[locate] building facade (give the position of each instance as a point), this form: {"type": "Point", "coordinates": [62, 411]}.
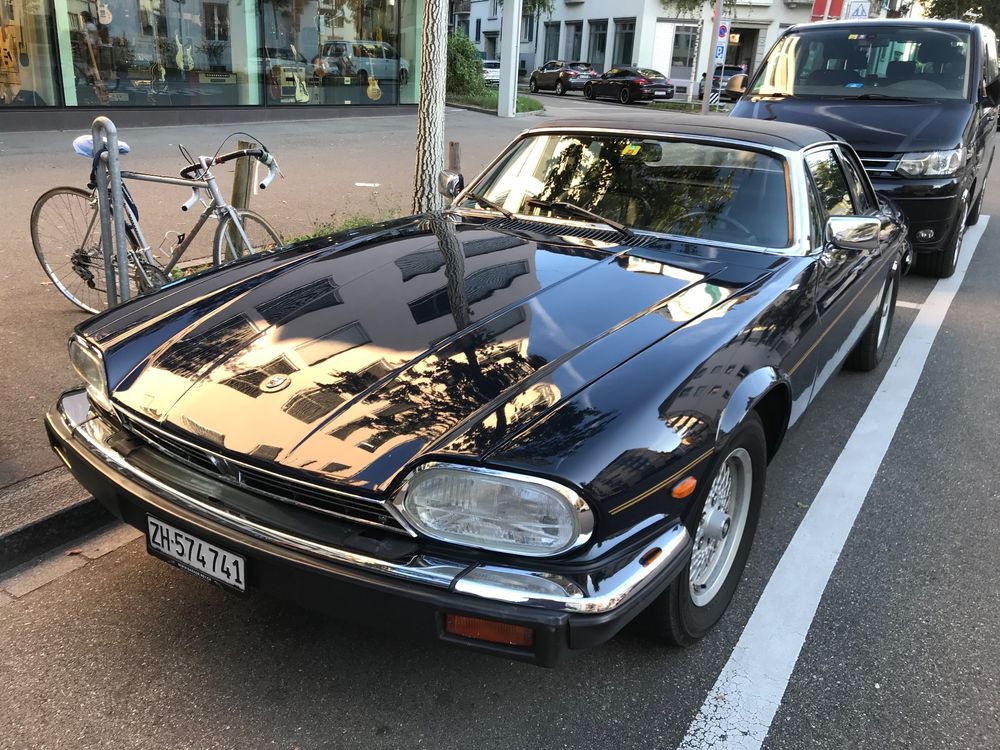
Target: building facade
{"type": "Point", "coordinates": [190, 54]}
{"type": "Point", "coordinates": [641, 32]}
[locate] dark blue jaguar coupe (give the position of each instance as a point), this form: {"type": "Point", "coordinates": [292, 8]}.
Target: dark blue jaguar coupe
{"type": "Point", "coordinates": [514, 425]}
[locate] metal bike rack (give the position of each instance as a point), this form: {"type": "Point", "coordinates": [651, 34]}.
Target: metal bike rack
{"type": "Point", "coordinates": [110, 202]}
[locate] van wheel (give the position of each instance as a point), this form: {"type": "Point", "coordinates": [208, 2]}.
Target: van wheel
{"type": "Point", "coordinates": [868, 352]}
{"type": "Point", "coordinates": [977, 207]}
{"type": "Point", "coordinates": [942, 264]}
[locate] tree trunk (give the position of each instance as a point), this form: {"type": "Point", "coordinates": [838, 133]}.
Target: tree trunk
{"type": "Point", "coordinates": [430, 110]}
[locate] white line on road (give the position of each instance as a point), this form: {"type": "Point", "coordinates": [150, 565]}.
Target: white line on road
{"type": "Point", "coordinates": [740, 707]}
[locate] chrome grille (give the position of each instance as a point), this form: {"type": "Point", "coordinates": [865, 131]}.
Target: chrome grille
{"type": "Point", "coordinates": [879, 164]}
{"type": "Point", "coordinates": [263, 483]}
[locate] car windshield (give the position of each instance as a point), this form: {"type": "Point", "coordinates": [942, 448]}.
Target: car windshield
{"type": "Point", "coordinates": [697, 190]}
{"type": "Point", "coordinates": [582, 66]}
{"type": "Point", "coordinates": [729, 70]}
{"type": "Point", "coordinates": [883, 62]}
{"type": "Point", "coordinates": [490, 65]}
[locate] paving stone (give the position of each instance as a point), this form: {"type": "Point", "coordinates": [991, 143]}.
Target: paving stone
{"type": "Point", "coordinates": [5, 599]}
{"type": "Point", "coordinates": [107, 540]}
{"type": "Point", "coordinates": [35, 574]}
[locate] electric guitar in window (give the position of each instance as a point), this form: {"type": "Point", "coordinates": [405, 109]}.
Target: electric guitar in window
{"type": "Point", "coordinates": [104, 14]}
{"type": "Point", "coordinates": [374, 92]}
{"type": "Point", "coordinates": [183, 57]}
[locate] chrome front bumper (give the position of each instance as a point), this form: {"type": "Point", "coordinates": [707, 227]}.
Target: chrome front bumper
{"type": "Point", "coordinates": [74, 428]}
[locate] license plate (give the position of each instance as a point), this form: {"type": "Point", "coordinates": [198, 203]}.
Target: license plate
{"type": "Point", "coordinates": [659, 93]}
{"type": "Point", "coordinates": [195, 555]}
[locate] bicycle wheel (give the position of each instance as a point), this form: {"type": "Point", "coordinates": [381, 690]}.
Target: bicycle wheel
{"type": "Point", "coordinates": [66, 235]}
{"type": "Point", "coordinates": [229, 245]}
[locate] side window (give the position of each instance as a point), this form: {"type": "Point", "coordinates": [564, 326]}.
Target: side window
{"type": "Point", "coordinates": [817, 226]}
{"type": "Point", "coordinates": [864, 200]}
{"type": "Point", "coordinates": [613, 73]}
{"type": "Point", "coordinates": [831, 184]}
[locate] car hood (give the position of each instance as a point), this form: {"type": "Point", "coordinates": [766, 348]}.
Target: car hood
{"type": "Point", "coordinates": [353, 363]}
{"type": "Point", "coordinates": [879, 126]}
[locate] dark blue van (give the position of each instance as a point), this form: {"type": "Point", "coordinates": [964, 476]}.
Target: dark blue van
{"type": "Point", "coordinates": [917, 100]}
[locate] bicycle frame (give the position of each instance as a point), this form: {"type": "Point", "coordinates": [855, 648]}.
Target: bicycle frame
{"type": "Point", "coordinates": [218, 207]}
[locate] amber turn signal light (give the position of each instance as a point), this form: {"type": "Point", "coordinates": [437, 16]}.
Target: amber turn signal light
{"type": "Point", "coordinates": [684, 488]}
{"type": "Point", "coordinates": [490, 631]}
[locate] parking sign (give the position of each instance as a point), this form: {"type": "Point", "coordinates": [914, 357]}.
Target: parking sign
{"type": "Point", "coordinates": [722, 42]}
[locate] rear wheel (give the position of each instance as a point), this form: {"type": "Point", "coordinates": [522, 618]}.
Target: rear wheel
{"type": "Point", "coordinates": [723, 527]}
{"type": "Point", "coordinates": [229, 245]}
{"type": "Point", "coordinates": [66, 235]}
{"type": "Point", "coordinates": [560, 88]}
{"type": "Point", "coordinates": [625, 96]}
{"type": "Point", "coordinates": [588, 91]}
{"type": "Point", "coordinates": [868, 352]}
{"type": "Point", "coordinates": [942, 264]}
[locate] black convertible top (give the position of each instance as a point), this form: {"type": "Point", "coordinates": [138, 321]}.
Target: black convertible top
{"type": "Point", "coordinates": [769, 133]}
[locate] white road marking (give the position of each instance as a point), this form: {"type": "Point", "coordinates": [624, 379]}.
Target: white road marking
{"type": "Point", "coordinates": [739, 709]}
{"type": "Point", "coordinates": [367, 184]}
{"type": "Point", "coordinates": [908, 305]}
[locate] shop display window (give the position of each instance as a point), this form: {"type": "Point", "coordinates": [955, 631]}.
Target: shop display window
{"type": "Point", "coordinates": [27, 56]}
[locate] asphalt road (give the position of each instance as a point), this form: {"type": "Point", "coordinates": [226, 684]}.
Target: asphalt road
{"type": "Point", "coordinates": [119, 650]}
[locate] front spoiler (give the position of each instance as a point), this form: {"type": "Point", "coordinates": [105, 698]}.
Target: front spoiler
{"type": "Point", "coordinates": [416, 592]}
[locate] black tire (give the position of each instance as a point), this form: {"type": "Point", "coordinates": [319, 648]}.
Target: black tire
{"type": "Point", "coordinates": [869, 350]}
{"type": "Point", "coordinates": [942, 264]}
{"type": "Point", "coordinates": [588, 91]}
{"type": "Point", "coordinates": [404, 76]}
{"type": "Point", "coordinates": [560, 89]}
{"type": "Point", "coordinates": [533, 86]}
{"type": "Point", "coordinates": [66, 236]}
{"type": "Point", "coordinates": [674, 615]}
{"type": "Point", "coordinates": [625, 96]}
{"type": "Point", "coordinates": [976, 210]}
{"type": "Point", "coordinates": [262, 237]}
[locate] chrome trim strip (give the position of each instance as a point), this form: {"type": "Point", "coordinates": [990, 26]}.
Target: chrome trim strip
{"type": "Point", "coordinates": [601, 595]}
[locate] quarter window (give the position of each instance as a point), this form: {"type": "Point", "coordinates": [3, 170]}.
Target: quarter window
{"type": "Point", "coordinates": [831, 183]}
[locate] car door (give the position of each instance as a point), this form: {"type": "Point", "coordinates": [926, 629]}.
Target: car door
{"type": "Point", "coordinates": [848, 283]}
{"type": "Point", "coordinates": [547, 76]}
{"type": "Point", "coordinates": [602, 85]}
{"type": "Point", "coordinates": [987, 100]}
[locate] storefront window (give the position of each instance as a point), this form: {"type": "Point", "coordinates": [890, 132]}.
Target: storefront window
{"type": "Point", "coordinates": [174, 53]}
{"type": "Point", "coordinates": [327, 52]}
{"type": "Point", "coordinates": [624, 37]}
{"type": "Point", "coordinates": [597, 48]}
{"type": "Point", "coordinates": [574, 38]}
{"type": "Point", "coordinates": [552, 40]}
{"type": "Point", "coordinates": [27, 59]}
{"type": "Point", "coordinates": [682, 58]}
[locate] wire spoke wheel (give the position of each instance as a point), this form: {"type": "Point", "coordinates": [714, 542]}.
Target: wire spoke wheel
{"type": "Point", "coordinates": [66, 235]}
{"type": "Point", "coordinates": [720, 528]}
{"type": "Point", "coordinates": [229, 244]}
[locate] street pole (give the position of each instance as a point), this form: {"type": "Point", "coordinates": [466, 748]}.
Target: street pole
{"type": "Point", "coordinates": [510, 43]}
{"type": "Point", "coordinates": [710, 72]}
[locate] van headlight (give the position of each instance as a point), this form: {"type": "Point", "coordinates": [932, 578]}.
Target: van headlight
{"type": "Point", "coordinates": [494, 510]}
{"type": "Point", "coordinates": [89, 365]}
{"type": "Point", "coordinates": [931, 163]}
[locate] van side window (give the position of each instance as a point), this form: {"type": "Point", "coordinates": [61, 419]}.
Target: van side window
{"type": "Point", "coordinates": [831, 183]}
{"type": "Point", "coordinates": [863, 199]}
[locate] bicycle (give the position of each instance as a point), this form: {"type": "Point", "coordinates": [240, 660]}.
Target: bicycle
{"type": "Point", "coordinates": [66, 229]}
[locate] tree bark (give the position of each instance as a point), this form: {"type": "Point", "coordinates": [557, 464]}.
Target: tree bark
{"type": "Point", "coordinates": [430, 110]}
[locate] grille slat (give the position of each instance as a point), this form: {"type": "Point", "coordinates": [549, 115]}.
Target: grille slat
{"type": "Point", "coordinates": [259, 482]}
{"type": "Point", "coordinates": [877, 164]}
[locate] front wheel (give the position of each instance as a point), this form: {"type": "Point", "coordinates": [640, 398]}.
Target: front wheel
{"type": "Point", "coordinates": [229, 245]}
{"type": "Point", "coordinates": [560, 88]}
{"type": "Point", "coordinates": [942, 264]}
{"type": "Point", "coordinates": [723, 527]}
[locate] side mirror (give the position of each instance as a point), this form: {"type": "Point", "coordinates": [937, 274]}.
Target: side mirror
{"type": "Point", "coordinates": [450, 183]}
{"type": "Point", "coordinates": [853, 232]}
{"type": "Point", "coordinates": [737, 85]}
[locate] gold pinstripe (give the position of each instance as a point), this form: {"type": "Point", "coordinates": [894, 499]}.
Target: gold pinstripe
{"type": "Point", "coordinates": [664, 483]}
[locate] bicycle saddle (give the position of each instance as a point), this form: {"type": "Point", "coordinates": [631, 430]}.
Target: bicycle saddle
{"type": "Point", "coordinates": [84, 146]}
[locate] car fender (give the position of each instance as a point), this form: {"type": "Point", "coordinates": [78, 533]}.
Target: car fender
{"type": "Point", "coordinates": [746, 396]}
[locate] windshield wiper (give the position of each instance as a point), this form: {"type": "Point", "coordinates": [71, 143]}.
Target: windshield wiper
{"type": "Point", "coordinates": [572, 208]}
{"type": "Point", "coordinates": [883, 97]}
{"type": "Point", "coordinates": [489, 204]}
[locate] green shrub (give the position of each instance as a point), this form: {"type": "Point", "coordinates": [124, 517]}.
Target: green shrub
{"type": "Point", "coordinates": [465, 67]}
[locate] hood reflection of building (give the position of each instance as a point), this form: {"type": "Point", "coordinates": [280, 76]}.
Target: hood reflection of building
{"type": "Point", "coordinates": [392, 365]}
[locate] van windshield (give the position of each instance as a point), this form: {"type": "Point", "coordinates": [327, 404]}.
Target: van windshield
{"type": "Point", "coordinates": [883, 62]}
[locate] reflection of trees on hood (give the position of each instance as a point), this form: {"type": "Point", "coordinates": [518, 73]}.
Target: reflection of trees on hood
{"type": "Point", "coordinates": [561, 433]}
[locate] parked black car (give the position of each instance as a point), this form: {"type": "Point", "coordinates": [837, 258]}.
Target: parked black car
{"type": "Point", "coordinates": [917, 99]}
{"type": "Point", "coordinates": [514, 425]}
{"type": "Point", "coordinates": [561, 76]}
{"type": "Point", "coordinates": [628, 85]}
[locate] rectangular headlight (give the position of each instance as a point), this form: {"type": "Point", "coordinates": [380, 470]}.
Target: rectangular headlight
{"type": "Point", "coordinates": [931, 163]}
{"type": "Point", "coordinates": [495, 510]}
{"type": "Point", "coordinates": [89, 365]}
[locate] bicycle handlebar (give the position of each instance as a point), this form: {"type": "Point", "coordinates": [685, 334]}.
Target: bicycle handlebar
{"type": "Point", "coordinates": [256, 153]}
